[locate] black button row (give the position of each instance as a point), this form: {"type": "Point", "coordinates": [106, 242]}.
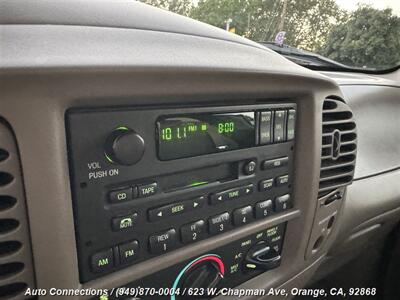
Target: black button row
{"type": "Point", "coordinates": [277, 126]}
{"type": "Point", "coordinates": [123, 254]}
{"type": "Point", "coordinates": [129, 193]}
{"type": "Point", "coordinates": [165, 241]}
{"type": "Point", "coordinates": [267, 184]}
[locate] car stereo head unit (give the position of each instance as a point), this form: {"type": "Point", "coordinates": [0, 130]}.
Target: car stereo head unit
{"type": "Point", "coordinates": [150, 180]}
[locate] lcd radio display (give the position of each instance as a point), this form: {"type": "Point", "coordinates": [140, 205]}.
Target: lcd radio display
{"type": "Point", "coordinates": [198, 134]}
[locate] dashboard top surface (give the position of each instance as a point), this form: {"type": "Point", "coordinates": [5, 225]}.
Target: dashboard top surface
{"type": "Point", "coordinates": [112, 14]}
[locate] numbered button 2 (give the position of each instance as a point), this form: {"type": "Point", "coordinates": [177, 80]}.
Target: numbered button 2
{"type": "Point", "coordinates": [219, 223]}
{"type": "Point", "coordinates": [193, 232]}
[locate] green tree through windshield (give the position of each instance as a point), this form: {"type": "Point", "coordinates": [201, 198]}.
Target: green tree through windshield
{"type": "Point", "coordinates": [366, 37]}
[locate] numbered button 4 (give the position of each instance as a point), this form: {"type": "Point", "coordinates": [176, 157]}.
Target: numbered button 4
{"type": "Point", "coordinates": [193, 232]}
{"type": "Point", "coordinates": [242, 216]}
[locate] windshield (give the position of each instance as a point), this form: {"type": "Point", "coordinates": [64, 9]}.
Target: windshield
{"type": "Point", "coordinates": [362, 34]}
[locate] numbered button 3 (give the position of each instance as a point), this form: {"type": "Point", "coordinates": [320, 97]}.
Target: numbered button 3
{"type": "Point", "coordinates": [219, 223]}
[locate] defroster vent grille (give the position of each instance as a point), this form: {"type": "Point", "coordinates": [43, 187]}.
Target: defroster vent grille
{"type": "Point", "coordinates": [339, 146]}
{"type": "Point", "coordinates": [16, 268]}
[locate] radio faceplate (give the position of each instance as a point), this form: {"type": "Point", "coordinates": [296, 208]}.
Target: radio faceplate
{"type": "Point", "coordinates": [130, 206]}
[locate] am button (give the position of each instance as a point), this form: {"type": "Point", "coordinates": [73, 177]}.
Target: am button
{"type": "Point", "coordinates": [102, 261]}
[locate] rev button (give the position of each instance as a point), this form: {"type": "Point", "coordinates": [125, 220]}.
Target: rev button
{"type": "Point", "coordinates": [163, 242]}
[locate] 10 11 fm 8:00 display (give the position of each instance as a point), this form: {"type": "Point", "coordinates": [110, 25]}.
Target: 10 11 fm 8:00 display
{"type": "Point", "coordinates": [193, 135]}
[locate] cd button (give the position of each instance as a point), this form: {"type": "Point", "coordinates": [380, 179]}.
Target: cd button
{"type": "Point", "coordinates": [163, 242]}
{"type": "Point", "coordinates": [121, 195]}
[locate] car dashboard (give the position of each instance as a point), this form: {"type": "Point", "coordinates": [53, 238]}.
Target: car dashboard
{"type": "Point", "coordinates": [141, 149]}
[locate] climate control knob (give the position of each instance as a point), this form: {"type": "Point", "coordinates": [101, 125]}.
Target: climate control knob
{"type": "Point", "coordinates": [205, 272]}
{"type": "Point", "coordinates": [124, 146]}
{"type": "Point", "coordinates": [262, 257]}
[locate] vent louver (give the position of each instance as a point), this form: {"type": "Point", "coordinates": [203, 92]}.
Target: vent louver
{"type": "Point", "coordinates": [339, 146]}
{"type": "Point", "coordinates": [16, 268]}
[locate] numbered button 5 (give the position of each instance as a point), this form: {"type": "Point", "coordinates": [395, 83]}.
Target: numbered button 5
{"type": "Point", "coordinates": [193, 232]}
{"type": "Point", "coordinates": [219, 223]}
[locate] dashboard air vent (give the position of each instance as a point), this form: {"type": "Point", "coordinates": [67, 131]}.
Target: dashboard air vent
{"type": "Point", "coordinates": [16, 267]}
{"type": "Point", "coordinates": [339, 146]}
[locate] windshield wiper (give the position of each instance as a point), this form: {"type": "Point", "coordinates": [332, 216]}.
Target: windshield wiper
{"type": "Point", "coordinates": [315, 61]}
{"type": "Point", "coordinates": [304, 58]}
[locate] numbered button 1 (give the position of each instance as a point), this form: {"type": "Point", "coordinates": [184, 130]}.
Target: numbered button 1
{"type": "Point", "coordinates": [163, 242]}
{"type": "Point", "coordinates": [242, 216]}
{"type": "Point", "coordinates": [193, 232]}
{"type": "Point", "coordinates": [219, 223]}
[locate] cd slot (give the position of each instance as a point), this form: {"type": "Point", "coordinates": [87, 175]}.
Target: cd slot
{"type": "Point", "coordinates": [199, 177]}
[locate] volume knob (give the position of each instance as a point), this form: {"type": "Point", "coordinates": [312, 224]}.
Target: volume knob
{"type": "Point", "coordinates": [124, 146]}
